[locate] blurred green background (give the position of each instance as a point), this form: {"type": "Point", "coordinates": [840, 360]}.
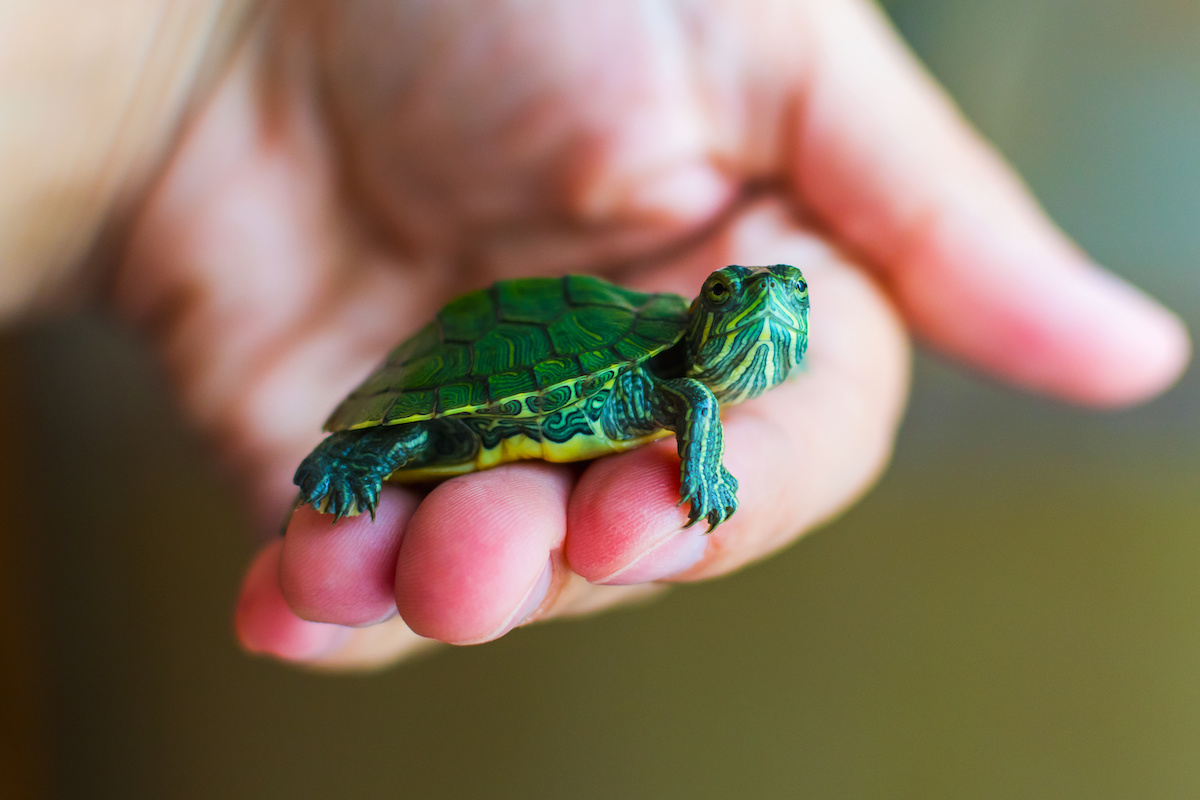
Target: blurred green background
{"type": "Point", "coordinates": [1013, 613]}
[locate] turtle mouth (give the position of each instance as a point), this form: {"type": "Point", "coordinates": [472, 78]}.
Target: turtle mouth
{"type": "Point", "coordinates": [767, 318]}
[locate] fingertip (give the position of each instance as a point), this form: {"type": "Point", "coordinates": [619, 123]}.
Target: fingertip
{"type": "Point", "coordinates": [974, 262]}
{"type": "Point", "coordinates": [1142, 351]}
{"type": "Point", "coordinates": [625, 520]}
{"type": "Point", "coordinates": [671, 556]}
{"type": "Point", "coordinates": [476, 558]}
{"type": "Point", "coordinates": [344, 572]}
{"type": "Point", "coordinates": [265, 624]}
{"type": "Point", "coordinates": [1025, 305]}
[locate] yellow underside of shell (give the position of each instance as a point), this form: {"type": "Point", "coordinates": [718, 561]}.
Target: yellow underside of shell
{"type": "Point", "coordinates": [522, 448]}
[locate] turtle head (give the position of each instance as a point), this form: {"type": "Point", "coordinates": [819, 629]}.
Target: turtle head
{"type": "Point", "coordinates": [747, 330]}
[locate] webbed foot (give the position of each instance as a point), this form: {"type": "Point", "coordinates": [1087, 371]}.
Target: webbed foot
{"type": "Point", "coordinates": [712, 493]}
{"type": "Point", "coordinates": [342, 477]}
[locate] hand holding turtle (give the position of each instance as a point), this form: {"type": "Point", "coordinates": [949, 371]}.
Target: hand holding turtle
{"type": "Point", "coordinates": [363, 165]}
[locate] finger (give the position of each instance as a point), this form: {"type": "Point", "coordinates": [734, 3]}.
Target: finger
{"type": "Point", "coordinates": [266, 624]}
{"type": "Point", "coordinates": [801, 452]}
{"type": "Point", "coordinates": [626, 526]}
{"type": "Point", "coordinates": [975, 265]}
{"type": "Point", "coordinates": [479, 556]}
{"type": "Point", "coordinates": [344, 573]}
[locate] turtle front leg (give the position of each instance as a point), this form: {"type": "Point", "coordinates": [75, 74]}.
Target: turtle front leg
{"type": "Point", "coordinates": [689, 408]}
{"type": "Point", "coordinates": [342, 475]}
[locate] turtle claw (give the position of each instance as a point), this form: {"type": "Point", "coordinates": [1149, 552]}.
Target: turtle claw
{"type": "Point", "coordinates": [333, 487]}
{"type": "Point", "coordinates": [366, 498]}
{"type": "Point", "coordinates": [334, 502]}
{"type": "Point", "coordinates": [313, 483]}
{"type": "Point", "coordinates": [350, 495]}
{"type": "Point", "coordinates": [712, 500]}
{"type": "Point", "coordinates": [343, 474]}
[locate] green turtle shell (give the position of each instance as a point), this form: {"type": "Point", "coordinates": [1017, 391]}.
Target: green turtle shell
{"type": "Point", "coordinates": [518, 348]}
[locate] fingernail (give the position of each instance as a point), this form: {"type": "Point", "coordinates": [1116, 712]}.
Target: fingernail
{"type": "Point", "coordinates": [671, 556]}
{"type": "Point", "coordinates": [327, 641]}
{"type": "Point", "coordinates": [534, 599]}
{"type": "Point", "coordinates": [300, 640]}
{"type": "Point", "coordinates": [391, 613]}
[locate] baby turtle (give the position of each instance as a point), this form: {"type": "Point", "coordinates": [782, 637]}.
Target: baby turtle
{"type": "Point", "coordinates": [565, 369]}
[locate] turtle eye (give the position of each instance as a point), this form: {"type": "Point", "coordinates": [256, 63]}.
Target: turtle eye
{"type": "Point", "coordinates": [717, 291]}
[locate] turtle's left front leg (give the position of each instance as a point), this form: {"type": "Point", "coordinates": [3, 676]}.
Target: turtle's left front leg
{"type": "Point", "coordinates": [688, 407]}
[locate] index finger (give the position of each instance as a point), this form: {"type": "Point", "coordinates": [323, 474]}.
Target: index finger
{"type": "Point", "coordinates": [883, 157]}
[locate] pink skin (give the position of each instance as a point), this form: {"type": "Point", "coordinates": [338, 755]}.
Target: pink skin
{"type": "Point", "coordinates": [290, 242]}
{"type": "Point", "coordinates": [477, 556]}
{"type": "Point", "coordinates": [347, 579]}
{"type": "Point", "coordinates": [265, 618]}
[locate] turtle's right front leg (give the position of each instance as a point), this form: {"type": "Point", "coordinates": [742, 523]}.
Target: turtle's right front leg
{"type": "Point", "coordinates": [689, 408]}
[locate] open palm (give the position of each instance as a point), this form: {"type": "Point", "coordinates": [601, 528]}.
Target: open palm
{"type": "Point", "coordinates": [360, 164]}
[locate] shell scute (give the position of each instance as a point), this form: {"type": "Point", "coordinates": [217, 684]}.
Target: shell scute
{"type": "Point", "coordinates": [552, 400]}
{"type": "Point", "coordinates": [584, 290]}
{"type": "Point", "coordinates": [387, 378]}
{"type": "Point", "coordinates": [669, 308]}
{"type": "Point", "coordinates": [660, 331]}
{"type": "Point", "coordinates": [410, 404]}
{"type": "Point", "coordinates": [634, 346]}
{"type": "Point", "coordinates": [532, 301]}
{"type": "Point", "coordinates": [363, 412]}
{"type": "Point", "coordinates": [461, 395]}
{"type": "Point", "coordinates": [554, 371]}
{"type": "Point", "coordinates": [466, 318]}
{"type": "Point", "coordinates": [597, 359]}
{"type": "Point", "coordinates": [508, 346]}
{"type": "Point", "coordinates": [420, 342]}
{"type": "Point", "coordinates": [586, 328]}
{"type": "Point", "coordinates": [592, 383]}
{"type": "Point", "coordinates": [446, 365]}
{"type": "Point", "coordinates": [510, 383]}
{"type": "Point", "coordinates": [510, 407]}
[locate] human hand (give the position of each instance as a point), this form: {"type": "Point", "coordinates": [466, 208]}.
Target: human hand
{"type": "Point", "coordinates": [366, 162]}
